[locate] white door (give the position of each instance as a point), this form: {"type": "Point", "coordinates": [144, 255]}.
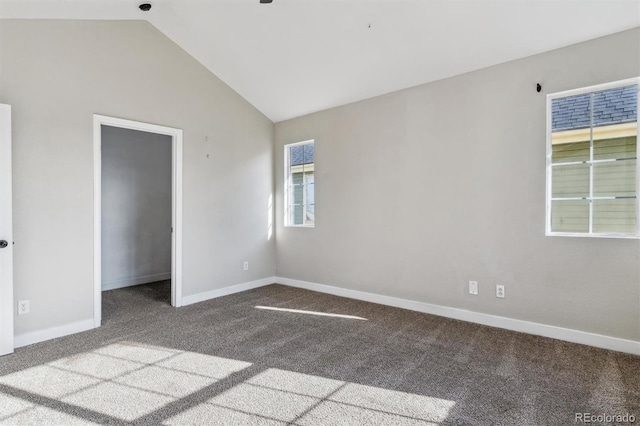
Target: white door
{"type": "Point", "coordinates": [6, 237]}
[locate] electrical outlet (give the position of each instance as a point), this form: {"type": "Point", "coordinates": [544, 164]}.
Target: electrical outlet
{"type": "Point", "coordinates": [473, 287]}
{"type": "Point", "coordinates": [246, 266]}
{"type": "Point", "coordinates": [500, 291]}
{"type": "Point", "coordinates": [23, 307]}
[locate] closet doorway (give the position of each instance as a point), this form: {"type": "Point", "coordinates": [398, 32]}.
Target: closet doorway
{"type": "Point", "coordinates": [137, 209]}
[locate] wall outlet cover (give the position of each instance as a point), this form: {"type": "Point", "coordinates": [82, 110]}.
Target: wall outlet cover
{"type": "Point", "coordinates": [23, 307]}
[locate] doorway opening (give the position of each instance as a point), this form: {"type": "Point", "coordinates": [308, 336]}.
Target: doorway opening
{"type": "Point", "coordinates": [137, 211]}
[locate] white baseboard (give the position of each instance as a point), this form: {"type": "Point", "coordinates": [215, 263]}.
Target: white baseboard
{"type": "Point", "coordinates": [80, 326]}
{"type": "Point", "coordinates": [128, 282]}
{"type": "Point", "coordinates": [30, 338]}
{"type": "Point", "coordinates": [566, 334]}
{"type": "Point", "coordinates": [201, 297]}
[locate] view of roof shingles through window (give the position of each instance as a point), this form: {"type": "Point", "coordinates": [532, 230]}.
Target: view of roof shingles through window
{"type": "Point", "coordinates": [302, 154]}
{"type": "Point", "coordinates": [613, 106]}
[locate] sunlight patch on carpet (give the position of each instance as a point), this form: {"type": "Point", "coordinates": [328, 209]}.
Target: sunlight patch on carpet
{"type": "Point", "coordinates": [300, 311]}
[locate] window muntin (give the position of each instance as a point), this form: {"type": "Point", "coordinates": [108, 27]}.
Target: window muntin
{"type": "Point", "coordinates": [592, 150]}
{"type": "Point", "coordinates": [299, 178]}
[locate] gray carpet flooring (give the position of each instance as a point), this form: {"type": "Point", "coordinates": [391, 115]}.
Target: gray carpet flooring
{"type": "Point", "coordinates": [280, 355]}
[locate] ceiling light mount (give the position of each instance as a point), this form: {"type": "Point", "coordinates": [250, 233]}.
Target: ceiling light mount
{"type": "Point", "coordinates": [144, 6]}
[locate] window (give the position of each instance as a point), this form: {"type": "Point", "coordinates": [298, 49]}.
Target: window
{"type": "Point", "coordinates": [592, 152]}
{"type": "Point", "coordinates": [299, 181]}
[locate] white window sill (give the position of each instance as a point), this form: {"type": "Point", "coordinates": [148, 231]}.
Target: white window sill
{"type": "Point", "coordinates": [571, 234]}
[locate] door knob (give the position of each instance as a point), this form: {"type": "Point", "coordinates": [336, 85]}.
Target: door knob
{"type": "Point", "coordinates": [3, 244]}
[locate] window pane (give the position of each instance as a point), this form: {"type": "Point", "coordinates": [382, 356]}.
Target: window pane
{"type": "Point", "coordinates": [570, 113]}
{"type": "Point", "coordinates": [300, 178]}
{"type": "Point", "coordinates": [570, 181]}
{"type": "Point", "coordinates": [309, 217]}
{"type": "Point", "coordinates": [569, 152]}
{"type": "Point", "coordinates": [570, 216]}
{"type": "Point", "coordinates": [607, 149]}
{"type": "Point", "coordinates": [297, 211]}
{"type": "Point", "coordinates": [308, 154]}
{"type": "Point", "coordinates": [296, 156]}
{"type": "Point", "coordinates": [615, 106]}
{"type": "Point", "coordinates": [614, 216]}
{"type": "Point", "coordinates": [309, 188]}
{"type": "Point", "coordinates": [297, 199]}
{"type": "Point", "coordinates": [614, 179]}
{"type": "Point", "coordinates": [571, 120]}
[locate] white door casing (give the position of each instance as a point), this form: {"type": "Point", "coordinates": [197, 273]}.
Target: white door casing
{"type": "Point", "coordinates": [6, 234]}
{"type": "Point", "coordinates": [176, 221]}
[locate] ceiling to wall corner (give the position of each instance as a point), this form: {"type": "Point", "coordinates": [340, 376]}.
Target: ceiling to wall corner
{"type": "Point", "coordinates": [293, 57]}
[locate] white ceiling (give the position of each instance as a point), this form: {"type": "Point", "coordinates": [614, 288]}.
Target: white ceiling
{"type": "Point", "coordinates": [294, 57]}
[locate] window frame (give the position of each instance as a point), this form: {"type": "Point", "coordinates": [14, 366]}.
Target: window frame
{"type": "Point", "coordinates": [580, 91]}
{"type": "Point", "coordinates": [287, 184]}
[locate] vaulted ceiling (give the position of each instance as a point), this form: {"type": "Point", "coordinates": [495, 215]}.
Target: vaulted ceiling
{"type": "Point", "coordinates": [294, 57]}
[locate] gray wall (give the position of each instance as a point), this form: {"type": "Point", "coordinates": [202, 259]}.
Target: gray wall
{"type": "Point", "coordinates": [136, 207]}
{"type": "Point", "coordinates": [56, 75]}
{"type": "Point", "coordinates": [422, 190]}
